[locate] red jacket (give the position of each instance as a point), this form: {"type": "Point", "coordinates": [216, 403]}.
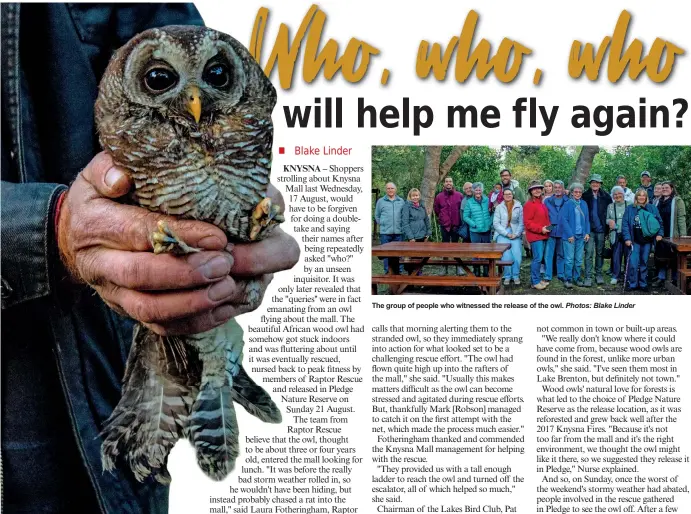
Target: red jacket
{"type": "Point", "coordinates": [535, 216]}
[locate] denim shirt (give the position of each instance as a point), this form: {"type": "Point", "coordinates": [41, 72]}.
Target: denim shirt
{"type": "Point", "coordinates": [63, 350]}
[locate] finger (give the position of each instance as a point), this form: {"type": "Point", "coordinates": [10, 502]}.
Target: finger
{"type": "Point", "coordinates": [108, 180]}
{"type": "Point", "coordinates": [151, 307]}
{"type": "Point", "coordinates": [150, 272]}
{"type": "Point", "coordinates": [196, 324]}
{"type": "Point", "coordinates": [208, 320]}
{"type": "Point", "coordinates": [277, 252]}
{"type": "Point", "coordinates": [128, 227]}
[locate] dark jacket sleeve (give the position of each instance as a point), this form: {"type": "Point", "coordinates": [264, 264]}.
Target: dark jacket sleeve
{"type": "Point", "coordinates": [627, 223]}
{"type": "Point", "coordinates": [28, 248]}
{"type": "Point", "coordinates": [405, 222]}
{"type": "Point", "coordinates": [564, 222]}
{"type": "Point", "coordinates": [428, 226]}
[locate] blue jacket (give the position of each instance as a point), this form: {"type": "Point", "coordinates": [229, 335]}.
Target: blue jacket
{"type": "Point", "coordinates": [415, 222]}
{"type": "Point", "coordinates": [476, 215]}
{"type": "Point", "coordinates": [63, 350]}
{"type": "Point", "coordinates": [630, 214]}
{"type": "Point", "coordinates": [554, 213]}
{"type": "Point", "coordinates": [387, 214]}
{"type": "Point", "coordinates": [567, 219]}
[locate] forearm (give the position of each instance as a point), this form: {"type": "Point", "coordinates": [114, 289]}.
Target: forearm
{"type": "Point", "coordinates": [30, 254]}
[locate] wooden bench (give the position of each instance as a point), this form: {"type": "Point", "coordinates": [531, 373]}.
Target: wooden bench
{"type": "Point", "coordinates": [492, 283]}
{"type": "Point", "coordinates": [452, 262]}
{"type": "Point", "coordinates": [415, 256]}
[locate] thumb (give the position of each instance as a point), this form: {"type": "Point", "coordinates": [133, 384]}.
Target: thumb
{"type": "Point", "coordinates": [108, 180]}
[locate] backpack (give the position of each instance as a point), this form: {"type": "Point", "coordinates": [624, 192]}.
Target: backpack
{"type": "Point", "coordinates": [649, 224]}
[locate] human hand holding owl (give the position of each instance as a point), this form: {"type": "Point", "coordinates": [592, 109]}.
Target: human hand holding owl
{"type": "Point", "coordinates": [107, 245]}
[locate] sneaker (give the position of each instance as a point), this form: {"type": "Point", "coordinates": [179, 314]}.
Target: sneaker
{"type": "Point", "coordinates": [599, 280]}
{"type": "Point", "coordinates": [613, 282]}
{"type": "Point", "coordinates": [517, 281]}
{"type": "Point", "coordinates": [539, 286]}
{"type": "Point", "coordinates": [507, 281]}
{"type": "Point", "coordinates": [658, 282]}
{"type": "Point", "coordinates": [580, 282]}
{"type": "Point", "coordinates": [588, 282]}
{"type": "Point", "coordinates": [545, 283]}
{"type": "Point", "coordinates": [568, 285]}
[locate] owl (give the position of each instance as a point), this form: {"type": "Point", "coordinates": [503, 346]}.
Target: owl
{"type": "Point", "coordinates": [187, 111]}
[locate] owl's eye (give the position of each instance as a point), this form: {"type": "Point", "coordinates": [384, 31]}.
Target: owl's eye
{"type": "Point", "coordinates": [160, 79]}
{"type": "Point", "coordinates": [217, 75]}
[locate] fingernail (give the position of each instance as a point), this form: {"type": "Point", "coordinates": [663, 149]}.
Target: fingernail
{"type": "Point", "coordinates": [217, 267]}
{"type": "Point", "coordinates": [222, 313]}
{"type": "Point", "coordinates": [113, 175]}
{"type": "Point", "coordinates": [210, 243]}
{"type": "Point", "coordinates": [221, 290]}
{"type": "Point", "coordinates": [229, 247]}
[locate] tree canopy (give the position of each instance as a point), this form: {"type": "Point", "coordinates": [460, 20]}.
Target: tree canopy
{"type": "Point", "coordinates": [405, 165]}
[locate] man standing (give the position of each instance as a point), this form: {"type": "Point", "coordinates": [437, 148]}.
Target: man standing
{"type": "Point", "coordinates": [628, 194]}
{"type": "Point", "coordinates": [647, 184]}
{"type": "Point", "coordinates": [554, 204]}
{"type": "Point", "coordinates": [507, 181]}
{"type": "Point", "coordinates": [447, 207]}
{"type": "Point", "coordinates": [597, 201]}
{"type": "Point", "coordinates": [387, 214]}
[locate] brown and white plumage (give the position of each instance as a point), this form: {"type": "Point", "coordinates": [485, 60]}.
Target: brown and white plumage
{"type": "Point", "coordinates": [188, 112]}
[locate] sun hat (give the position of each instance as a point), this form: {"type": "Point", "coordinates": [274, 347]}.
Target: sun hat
{"type": "Point", "coordinates": [534, 184]}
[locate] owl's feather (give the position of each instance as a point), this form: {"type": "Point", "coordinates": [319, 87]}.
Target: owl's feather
{"type": "Point", "coordinates": [158, 393]}
{"type": "Point", "coordinates": [215, 168]}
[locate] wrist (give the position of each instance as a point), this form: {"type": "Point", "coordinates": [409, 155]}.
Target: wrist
{"type": "Point", "coordinates": [60, 218]}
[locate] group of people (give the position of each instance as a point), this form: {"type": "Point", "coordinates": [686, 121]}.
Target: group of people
{"type": "Point", "coordinates": [566, 229]}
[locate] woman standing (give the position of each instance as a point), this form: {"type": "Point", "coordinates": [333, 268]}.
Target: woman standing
{"type": "Point", "coordinates": [574, 224]}
{"type": "Point", "coordinates": [537, 229]}
{"type": "Point", "coordinates": [673, 213]}
{"type": "Point", "coordinates": [476, 215]}
{"type": "Point", "coordinates": [549, 188]}
{"type": "Point", "coordinates": [657, 194]}
{"type": "Point", "coordinates": [508, 228]}
{"type": "Point", "coordinates": [414, 219]}
{"type": "Point", "coordinates": [633, 230]}
{"type": "Point", "coordinates": [615, 216]}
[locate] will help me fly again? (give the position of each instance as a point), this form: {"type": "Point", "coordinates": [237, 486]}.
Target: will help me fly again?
{"type": "Point", "coordinates": [526, 113]}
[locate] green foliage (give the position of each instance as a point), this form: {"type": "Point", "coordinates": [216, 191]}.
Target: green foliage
{"type": "Point", "coordinates": [404, 165]}
{"type": "Point", "coordinates": [477, 164]}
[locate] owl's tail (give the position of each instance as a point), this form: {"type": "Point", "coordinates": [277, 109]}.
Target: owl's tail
{"type": "Point", "coordinates": [151, 414]}
{"type": "Point", "coordinates": [213, 430]}
{"type": "Point", "coordinates": [213, 427]}
{"type": "Point", "coordinates": [254, 398]}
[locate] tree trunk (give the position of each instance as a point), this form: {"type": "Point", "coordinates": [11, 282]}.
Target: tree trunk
{"type": "Point", "coordinates": [584, 164]}
{"type": "Point", "coordinates": [435, 171]}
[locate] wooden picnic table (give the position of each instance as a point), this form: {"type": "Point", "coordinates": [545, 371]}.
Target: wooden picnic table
{"type": "Point", "coordinates": [422, 254]}
{"type": "Point", "coordinates": [682, 251]}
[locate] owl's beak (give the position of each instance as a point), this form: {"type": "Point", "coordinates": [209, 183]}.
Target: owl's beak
{"type": "Point", "coordinates": [193, 102]}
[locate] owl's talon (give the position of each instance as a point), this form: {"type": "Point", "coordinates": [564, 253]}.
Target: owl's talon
{"type": "Point", "coordinates": [264, 215]}
{"type": "Point", "coordinates": [164, 240]}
